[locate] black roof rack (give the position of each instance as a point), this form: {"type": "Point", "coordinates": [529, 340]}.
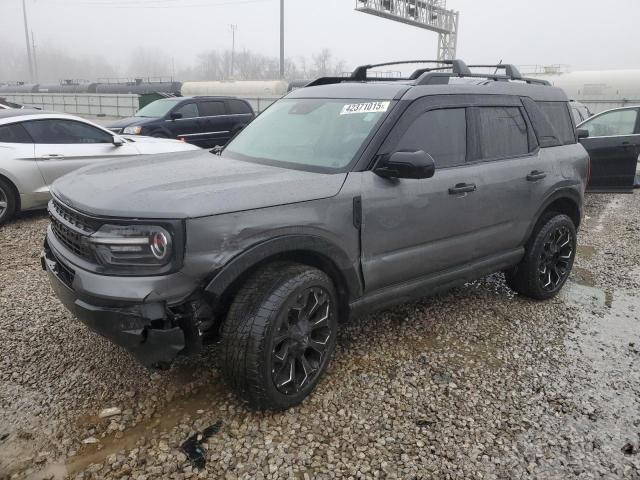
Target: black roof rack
{"type": "Point", "coordinates": [436, 75]}
{"type": "Point", "coordinates": [509, 70]}
{"type": "Point", "coordinates": [458, 67]}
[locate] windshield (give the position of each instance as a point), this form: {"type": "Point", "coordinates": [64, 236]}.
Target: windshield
{"type": "Point", "coordinates": [323, 134]}
{"type": "Point", "coordinates": [156, 109]}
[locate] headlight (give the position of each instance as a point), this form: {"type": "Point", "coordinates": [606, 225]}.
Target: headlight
{"type": "Point", "coordinates": [132, 130]}
{"type": "Point", "coordinates": [132, 245]}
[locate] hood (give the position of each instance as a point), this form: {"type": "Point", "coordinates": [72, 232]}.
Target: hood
{"type": "Point", "coordinates": [188, 184]}
{"type": "Point", "coordinates": [131, 122]}
{"type": "Point", "coordinates": [146, 145]}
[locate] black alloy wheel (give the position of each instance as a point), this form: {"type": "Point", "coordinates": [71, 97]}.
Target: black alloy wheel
{"type": "Point", "coordinates": [302, 341]}
{"type": "Point", "coordinates": [556, 258]}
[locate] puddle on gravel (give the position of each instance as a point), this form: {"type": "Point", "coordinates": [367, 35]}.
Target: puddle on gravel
{"type": "Point", "coordinates": [163, 421]}
{"type": "Point", "coordinates": [586, 252]}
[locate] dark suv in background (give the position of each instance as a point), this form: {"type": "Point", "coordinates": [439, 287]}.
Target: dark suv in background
{"type": "Point", "coordinates": [204, 121]}
{"type": "Point", "coordinates": [345, 196]}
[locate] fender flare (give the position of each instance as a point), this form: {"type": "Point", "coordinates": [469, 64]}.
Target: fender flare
{"type": "Point", "coordinates": [566, 194]}
{"type": "Point", "coordinates": [224, 277]}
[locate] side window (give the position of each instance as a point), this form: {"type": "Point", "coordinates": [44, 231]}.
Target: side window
{"type": "Point", "coordinates": [618, 122]}
{"type": "Point", "coordinates": [14, 133]}
{"type": "Point", "coordinates": [212, 109]}
{"type": "Point", "coordinates": [65, 131]}
{"type": "Point", "coordinates": [558, 115]}
{"type": "Point", "coordinates": [503, 132]}
{"type": "Point", "coordinates": [440, 133]}
{"type": "Point", "coordinates": [188, 110]}
{"type": "Point", "coordinates": [238, 107]}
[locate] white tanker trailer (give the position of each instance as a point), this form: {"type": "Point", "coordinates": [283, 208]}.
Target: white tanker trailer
{"type": "Point", "coordinates": [260, 94]}
{"type": "Point", "coordinates": [599, 90]}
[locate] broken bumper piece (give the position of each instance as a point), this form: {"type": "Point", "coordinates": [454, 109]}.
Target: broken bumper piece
{"type": "Point", "coordinates": [140, 328]}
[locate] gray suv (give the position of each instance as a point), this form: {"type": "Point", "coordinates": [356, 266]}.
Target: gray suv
{"type": "Point", "coordinates": [345, 196]}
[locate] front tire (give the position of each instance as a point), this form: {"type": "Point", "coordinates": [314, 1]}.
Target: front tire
{"type": "Point", "coordinates": [8, 202]}
{"type": "Point", "coordinates": [548, 258]}
{"type": "Point", "coordinates": [279, 335]}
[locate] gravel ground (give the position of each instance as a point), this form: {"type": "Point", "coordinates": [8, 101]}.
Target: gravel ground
{"type": "Point", "coordinates": [477, 383]}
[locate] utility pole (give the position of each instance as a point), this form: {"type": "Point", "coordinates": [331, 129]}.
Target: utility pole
{"type": "Point", "coordinates": [281, 38]}
{"type": "Point", "coordinates": [233, 47]}
{"type": "Point", "coordinates": [26, 36]}
{"type": "Point", "coordinates": [35, 58]}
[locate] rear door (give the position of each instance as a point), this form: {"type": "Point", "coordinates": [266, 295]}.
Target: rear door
{"type": "Point", "coordinates": [217, 122]}
{"type": "Point", "coordinates": [241, 114]}
{"type": "Point", "coordinates": [63, 145]}
{"type": "Point", "coordinates": [614, 146]}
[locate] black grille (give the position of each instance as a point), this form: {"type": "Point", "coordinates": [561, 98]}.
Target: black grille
{"type": "Point", "coordinates": [72, 229]}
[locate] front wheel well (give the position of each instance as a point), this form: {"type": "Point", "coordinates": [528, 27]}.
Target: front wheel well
{"type": "Point", "coordinates": [302, 257]}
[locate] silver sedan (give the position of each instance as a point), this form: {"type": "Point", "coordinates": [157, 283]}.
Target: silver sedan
{"type": "Point", "coordinates": [38, 147]}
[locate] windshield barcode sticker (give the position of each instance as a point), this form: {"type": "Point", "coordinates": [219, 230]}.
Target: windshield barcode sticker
{"type": "Point", "coordinates": [370, 107]}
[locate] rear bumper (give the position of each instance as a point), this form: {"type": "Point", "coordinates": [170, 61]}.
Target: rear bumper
{"type": "Point", "coordinates": [141, 328]}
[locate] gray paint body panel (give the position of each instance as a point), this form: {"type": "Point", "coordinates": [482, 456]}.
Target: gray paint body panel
{"type": "Point", "coordinates": [413, 233]}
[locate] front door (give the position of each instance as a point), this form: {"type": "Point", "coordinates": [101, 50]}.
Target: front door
{"type": "Point", "coordinates": [614, 146]}
{"type": "Point", "coordinates": [189, 126]}
{"type": "Point", "coordinates": [62, 146]}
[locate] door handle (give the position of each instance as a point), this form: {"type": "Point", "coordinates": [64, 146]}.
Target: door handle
{"type": "Point", "coordinates": [52, 156]}
{"type": "Point", "coordinates": [535, 176]}
{"type": "Point", "coordinates": [627, 145]}
{"type": "Point", "coordinates": [462, 188]}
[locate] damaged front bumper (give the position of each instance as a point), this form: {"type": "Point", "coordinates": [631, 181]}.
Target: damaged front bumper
{"type": "Point", "coordinates": [147, 329]}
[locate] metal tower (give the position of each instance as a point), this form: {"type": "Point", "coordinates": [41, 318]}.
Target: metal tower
{"type": "Point", "coordinates": [431, 15]}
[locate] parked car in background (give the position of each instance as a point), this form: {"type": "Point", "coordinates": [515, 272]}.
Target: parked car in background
{"type": "Point", "coordinates": [579, 111]}
{"type": "Point", "coordinates": [348, 195]}
{"type": "Point", "coordinates": [614, 146]}
{"type": "Point", "coordinates": [6, 104]}
{"type": "Point", "coordinates": [37, 147]}
{"type": "Point", "coordinates": [204, 121]}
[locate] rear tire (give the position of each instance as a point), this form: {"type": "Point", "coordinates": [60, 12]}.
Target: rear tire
{"type": "Point", "coordinates": [279, 335]}
{"type": "Point", "coordinates": [548, 258]}
{"type": "Point", "coordinates": [8, 201]}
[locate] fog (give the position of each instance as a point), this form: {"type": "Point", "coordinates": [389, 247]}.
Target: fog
{"type": "Point", "coordinates": [191, 39]}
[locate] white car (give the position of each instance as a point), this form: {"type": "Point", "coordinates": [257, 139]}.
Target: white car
{"type": "Point", "coordinates": [38, 147]}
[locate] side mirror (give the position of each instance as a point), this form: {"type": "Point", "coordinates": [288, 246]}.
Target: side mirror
{"type": "Point", "coordinates": [415, 165]}
{"type": "Point", "coordinates": [117, 141]}
{"type": "Point", "coordinates": [583, 133]}
{"type": "Point", "coordinates": [175, 116]}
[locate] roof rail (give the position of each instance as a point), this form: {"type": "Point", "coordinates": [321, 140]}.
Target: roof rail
{"type": "Point", "coordinates": [436, 75]}
{"type": "Point", "coordinates": [458, 67]}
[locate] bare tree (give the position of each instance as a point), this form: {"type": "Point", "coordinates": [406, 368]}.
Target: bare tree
{"type": "Point", "coordinates": [149, 62]}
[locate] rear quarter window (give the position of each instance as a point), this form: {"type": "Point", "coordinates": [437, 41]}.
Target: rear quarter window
{"type": "Point", "coordinates": [558, 115]}
{"type": "Point", "coordinates": [238, 107]}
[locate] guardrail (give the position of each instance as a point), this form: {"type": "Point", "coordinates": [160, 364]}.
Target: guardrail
{"type": "Point", "coordinates": [95, 104]}
{"type": "Point", "coordinates": [100, 104]}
